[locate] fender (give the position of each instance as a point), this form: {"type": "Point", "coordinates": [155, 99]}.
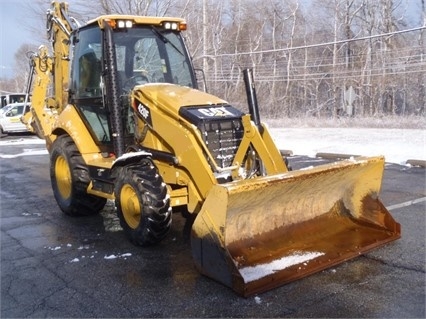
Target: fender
{"type": "Point", "coordinates": [128, 158]}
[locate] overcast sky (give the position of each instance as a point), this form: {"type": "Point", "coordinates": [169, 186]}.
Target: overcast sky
{"type": "Point", "coordinates": [13, 33]}
{"type": "Point", "coordinates": [11, 36]}
{"type": "Point", "coordinates": [16, 22]}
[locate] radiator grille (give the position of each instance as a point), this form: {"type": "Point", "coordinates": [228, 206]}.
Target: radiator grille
{"type": "Point", "coordinates": [222, 139]}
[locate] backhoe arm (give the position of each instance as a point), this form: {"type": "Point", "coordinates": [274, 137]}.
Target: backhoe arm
{"type": "Point", "coordinates": [38, 120]}
{"type": "Point", "coordinates": [44, 109]}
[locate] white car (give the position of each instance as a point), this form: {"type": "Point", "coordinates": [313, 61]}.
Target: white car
{"type": "Point", "coordinates": [10, 118]}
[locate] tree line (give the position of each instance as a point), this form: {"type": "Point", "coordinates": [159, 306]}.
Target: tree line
{"type": "Point", "coordinates": [322, 58]}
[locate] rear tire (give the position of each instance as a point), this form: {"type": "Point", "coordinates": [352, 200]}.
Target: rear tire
{"type": "Point", "coordinates": [2, 132]}
{"type": "Point", "coordinates": [142, 202]}
{"type": "Point", "coordinates": [69, 176]}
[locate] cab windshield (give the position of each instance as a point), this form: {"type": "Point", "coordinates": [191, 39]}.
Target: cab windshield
{"type": "Point", "coordinates": [149, 55]}
{"type": "Point", "coordinates": [144, 54]}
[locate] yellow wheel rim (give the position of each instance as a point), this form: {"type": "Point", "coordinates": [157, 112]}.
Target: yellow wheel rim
{"type": "Point", "coordinates": [63, 177]}
{"type": "Point", "coordinates": [130, 206]}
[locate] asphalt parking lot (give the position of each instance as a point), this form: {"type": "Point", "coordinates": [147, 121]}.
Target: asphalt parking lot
{"type": "Point", "coordinates": [57, 266]}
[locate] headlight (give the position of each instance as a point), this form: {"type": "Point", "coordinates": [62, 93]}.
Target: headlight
{"type": "Point", "coordinates": [171, 25]}
{"type": "Point", "coordinates": [121, 24]}
{"type": "Point", "coordinates": [124, 24]}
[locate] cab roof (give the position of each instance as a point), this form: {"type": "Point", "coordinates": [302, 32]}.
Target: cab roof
{"type": "Point", "coordinates": [138, 20]}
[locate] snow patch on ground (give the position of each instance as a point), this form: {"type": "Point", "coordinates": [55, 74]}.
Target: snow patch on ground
{"type": "Point", "coordinates": [32, 214]}
{"type": "Point", "coordinates": [118, 256]}
{"type": "Point", "coordinates": [397, 145]}
{"type": "Point", "coordinates": [258, 300]}
{"type": "Point", "coordinates": [90, 252]}
{"type": "Point", "coordinates": [25, 153]}
{"type": "Point", "coordinates": [24, 140]}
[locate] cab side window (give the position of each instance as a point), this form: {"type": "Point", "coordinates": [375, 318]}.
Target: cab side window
{"type": "Point", "coordinates": [86, 71]}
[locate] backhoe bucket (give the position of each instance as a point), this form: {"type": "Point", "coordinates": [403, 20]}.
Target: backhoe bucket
{"type": "Point", "coordinates": [257, 234]}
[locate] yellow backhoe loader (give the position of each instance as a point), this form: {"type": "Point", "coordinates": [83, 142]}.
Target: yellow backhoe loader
{"type": "Point", "coordinates": [125, 121]}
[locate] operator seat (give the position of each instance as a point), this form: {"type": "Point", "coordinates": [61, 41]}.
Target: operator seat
{"type": "Point", "coordinates": [90, 74]}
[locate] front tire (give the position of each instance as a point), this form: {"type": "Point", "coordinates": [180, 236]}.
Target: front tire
{"type": "Point", "coordinates": [69, 176]}
{"type": "Point", "coordinates": [142, 202]}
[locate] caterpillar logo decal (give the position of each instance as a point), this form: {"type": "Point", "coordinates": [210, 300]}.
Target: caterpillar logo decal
{"type": "Point", "coordinates": [195, 114]}
{"type": "Point", "coordinates": [215, 112]}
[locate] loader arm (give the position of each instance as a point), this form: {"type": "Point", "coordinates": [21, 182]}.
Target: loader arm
{"type": "Point", "coordinates": [263, 145]}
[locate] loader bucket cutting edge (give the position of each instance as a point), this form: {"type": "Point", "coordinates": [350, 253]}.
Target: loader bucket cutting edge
{"type": "Point", "coordinates": [255, 235]}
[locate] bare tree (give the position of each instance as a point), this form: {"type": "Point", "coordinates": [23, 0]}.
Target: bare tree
{"type": "Point", "coordinates": [305, 60]}
{"type": "Point", "coordinates": [21, 67]}
{"type": "Point", "coordinates": [420, 104]}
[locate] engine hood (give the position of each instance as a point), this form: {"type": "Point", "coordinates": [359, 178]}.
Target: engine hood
{"type": "Point", "coordinates": [172, 97]}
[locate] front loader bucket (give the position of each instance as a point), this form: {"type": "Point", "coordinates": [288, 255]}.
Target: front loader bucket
{"type": "Point", "coordinates": [257, 234]}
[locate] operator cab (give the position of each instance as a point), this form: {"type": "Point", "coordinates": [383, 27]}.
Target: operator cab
{"type": "Point", "coordinates": [147, 50]}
